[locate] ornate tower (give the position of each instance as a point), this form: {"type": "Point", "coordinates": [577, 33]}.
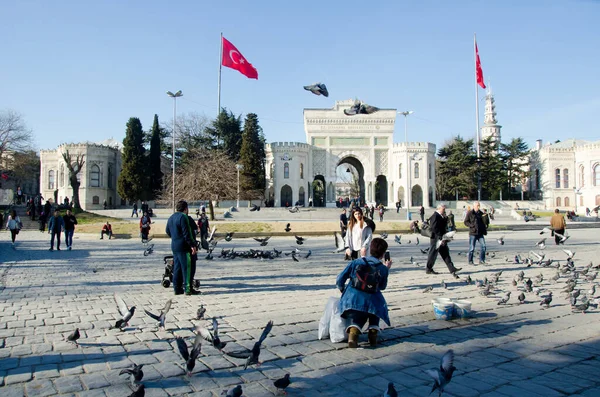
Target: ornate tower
{"type": "Point", "coordinates": [490, 124]}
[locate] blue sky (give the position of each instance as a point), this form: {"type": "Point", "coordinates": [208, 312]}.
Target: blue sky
{"type": "Point", "coordinates": [77, 70]}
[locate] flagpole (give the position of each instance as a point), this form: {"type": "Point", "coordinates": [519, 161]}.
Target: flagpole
{"type": "Point", "coordinates": [219, 84]}
{"type": "Point", "coordinates": [477, 120]}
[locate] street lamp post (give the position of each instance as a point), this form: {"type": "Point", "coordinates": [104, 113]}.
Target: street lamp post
{"type": "Point", "coordinates": [407, 202]}
{"type": "Point", "coordinates": [238, 167]}
{"type": "Point", "coordinates": [174, 96]}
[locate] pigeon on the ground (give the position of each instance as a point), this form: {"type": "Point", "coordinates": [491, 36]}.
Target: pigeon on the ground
{"type": "Point", "coordinates": [229, 236]}
{"type": "Point", "coordinates": [140, 392]}
{"type": "Point", "coordinates": [500, 240]}
{"type": "Point", "coordinates": [254, 208]}
{"type": "Point", "coordinates": [125, 312]}
{"type": "Point", "coordinates": [547, 300]}
{"type": "Point", "coordinates": [74, 336]}
{"type": "Point", "coordinates": [418, 242]}
{"type": "Point", "coordinates": [309, 253]}
{"type": "Point", "coordinates": [391, 391]}
{"type": "Point", "coordinates": [468, 280]}
{"type": "Point", "coordinates": [282, 383]}
{"type": "Point", "coordinates": [443, 374]}
{"type": "Point", "coordinates": [136, 373]}
{"type": "Point", "coordinates": [581, 307]}
{"type": "Point", "coordinates": [504, 300]}
{"type": "Point", "coordinates": [428, 289]}
{"type": "Point", "coordinates": [317, 89]}
{"type": "Point", "coordinates": [521, 297]}
{"type": "Point", "coordinates": [212, 337]}
{"type": "Point", "coordinates": [287, 229]}
{"type": "Point", "coordinates": [163, 314]}
{"type": "Point", "coordinates": [200, 312]}
{"type": "Point", "coordinates": [190, 357]}
{"type": "Point", "coordinates": [444, 285]}
{"type": "Point", "coordinates": [360, 108]}
{"type": "Point", "coordinates": [252, 356]}
{"type": "Point", "coordinates": [233, 392]}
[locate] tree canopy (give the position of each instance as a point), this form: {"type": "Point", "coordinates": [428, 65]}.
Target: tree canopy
{"type": "Point", "coordinates": [133, 180]}
{"type": "Point", "coordinates": [252, 158]}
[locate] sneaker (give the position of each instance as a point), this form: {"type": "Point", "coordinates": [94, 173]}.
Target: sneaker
{"type": "Point", "coordinates": [431, 272]}
{"type": "Point", "coordinates": [455, 275]}
{"type": "Point", "coordinates": [101, 238]}
{"type": "Point", "coordinates": [482, 263]}
{"type": "Point", "coordinates": [373, 337]}
{"type": "Point", "coordinates": [457, 269]}
{"type": "Point", "coordinates": [51, 249]}
{"type": "Point", "coordinates": [472, 264]}
{"type": "Point", "coordinates": [193, 292]}
{"type": "Point", "coordinates": [69, 248]}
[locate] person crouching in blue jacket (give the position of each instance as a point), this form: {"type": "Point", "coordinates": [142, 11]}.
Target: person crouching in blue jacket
{"type": "Point", "coordinates": [362, 299]}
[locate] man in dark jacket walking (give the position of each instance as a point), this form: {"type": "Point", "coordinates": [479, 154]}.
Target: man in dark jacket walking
{"type": "Point", "coordinates": [56, 226]}
{"type": "Point", "coordinates": [439, 225]}
{"type": "Point", "coordinates": [422, 213]}
{"type": "Point", "coordinates": [70, 222]}
{"type": "Point", "coordinates": [183, 246]}
{"type": "Point", "coordinates": [477, 229]}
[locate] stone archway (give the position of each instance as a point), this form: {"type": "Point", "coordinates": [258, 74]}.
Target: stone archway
{"type": "Point", "coordinates": [286, 196]}
{"type": "Point", "coordinates": [401, 196]}
{"type": "Point", "coordinates": [381, 191]}
{"type": "Point", "coordinates": [356, 177]}
{"type": "Point", "coordinates": [318, 189]}
{"type": "Point", "coordinates": [416, 196]}
{"type": "Point", "coordinates": [270, 197]}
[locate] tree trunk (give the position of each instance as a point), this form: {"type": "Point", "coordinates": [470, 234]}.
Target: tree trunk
{"type": "Point", "coordinates": [211, 210]}
{"type": "Point", "coordinates": [75, 186]}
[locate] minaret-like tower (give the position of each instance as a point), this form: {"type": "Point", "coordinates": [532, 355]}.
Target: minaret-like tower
{"type": "Point", "coordinates": [490, 124]}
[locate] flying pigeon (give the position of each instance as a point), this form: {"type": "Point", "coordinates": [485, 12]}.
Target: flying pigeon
{"type": "Point", "coordinates": [541, 244]}
{"type": "Point", "coordinates": [360, 108]}
{"type": "Point", "coordinates": [262, 241]}
{"type": "Point", "coordinates": [254, 208]}
{"type": "Point", "coordinates": [443, 374]}
{"type": "Point", "coordinates": [547, 300]}
{"type": "Point", "coordinates": [418, 242]}
{"type": "Point", "coordinates": [308, 254]}
{"type": "Point", "coordinates": [149, 250]}
{"type": "Point", "coordinates": [140, 392]}
{"type": "Point", "coordinates": [294, 209]}
{"type": "Point", "coordinates": [546, 230]}
{"type": "Point", "coordinates": [74, 336]}
{"type": "Point", "coordinates": [570, 254]}
{"type": "Point", "coordinates": [163, 314]}
{"type": "Point", "coordinates": [212, 234]}
{"type": "Point", "coordinates": [391, 391]}
{"type": "Point", "coordinates": [125, 313]}
{"type": "Point", "coordinates": [282, 383]}
{"type": "Point", "coordinates": [504, 300]}
{"type": "Point", "coordinates": [136, 373]}
{"type": "Point", "coordinates": [500, 240]}
{"type": "Point", "coordinates": [317, 89]}
{"type": "Point", "coordinates": [563, 238]}
{"type": "Point", "coordinates": [251, 356]}
{"type": "Point", "coordinates": [445, 238]}
{"type": "Point", "coordinates": [190, 357]}
{"type": "Point", "coordinates": [212, 337]}
{"type": "Point", "coordinates": [383, 235]}
{"type": "Point", "coordinates": [425, 251]}
{"type": "Point", "coordinates": [233, 392]}
{"type": "Point", "coordinates": [397, 239]}
{"type": "Point", "coordinates": [299, 240]}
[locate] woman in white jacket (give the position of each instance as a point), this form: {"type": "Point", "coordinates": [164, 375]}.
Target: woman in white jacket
{"type": "Point", "coordinates": [359, 235]}
{"type": "Point", "coordinates": [14, 225]}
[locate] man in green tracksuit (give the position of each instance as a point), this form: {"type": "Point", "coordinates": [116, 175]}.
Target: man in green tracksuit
{"type": "Point", "coordinates": [183, 246]}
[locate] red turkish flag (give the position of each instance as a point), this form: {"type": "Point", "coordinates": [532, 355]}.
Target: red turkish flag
{"type": "Point", "coordinates": [233, 59]}
{"type": "Point", "coordinates": [478, 71]}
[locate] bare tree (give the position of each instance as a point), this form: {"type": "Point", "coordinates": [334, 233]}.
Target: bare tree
{"type": "Point", "coordinates": [74, 168]}
{"type": "Point", "coordinates": [205, 175]}
{"type": "Point", "coordinates": [14, 134]}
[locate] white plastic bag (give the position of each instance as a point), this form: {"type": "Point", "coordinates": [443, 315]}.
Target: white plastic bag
{"type": "Point", "coordinates": [337, 326]}
{"type": "Point", "coordinates": [326, 318]}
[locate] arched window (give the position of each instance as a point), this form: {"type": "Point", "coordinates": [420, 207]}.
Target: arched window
{"type": "Point", "coordinates": [301, 170]}
{"type": "Point", "coordinates": [95, 176]}
{"type": "Point", "coordinates": [61, 176]}
{"type": "Point", "coordinates": [566, 179]}
{"type": "Point", "coordinates": [51, 180]}
{"type": "Point", "coordinates": [429, 171]}
{"type": "Point", "coordinates": [95, 200]}
{"type": "Point", "coordinates": [416, 170]}
{"type": "Point", "coordinates": [581, 177]}
{"type": "Point", "coordinates": [567, 202]}
{"type": "Point", "coordinates": [271, 171]}
{"type": "Point", "coordinates": [557, 172]}
{"type": "Point", "coordinates": [110, 176]}
{"type": "Point", "coordinates": [558, 202]}
{"type": "Point", "coordinates": [596, 175]}
{"type": "Point", "coordinates": [286, 170]}
{"type": "Point", "coordinates": [399, 170]}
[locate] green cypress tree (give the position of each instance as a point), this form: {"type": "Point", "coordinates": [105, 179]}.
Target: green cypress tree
{"type": "Point", "coordinates": [457, 163]}
{"type": "Point", "coordinates": [517, 158]}
{"type": "Point", "coordinates": [493, 173]}
{"type": "Point", "coordinates": [252, 158]}
{"type": "Point", "coordinates": [133, 179]}
{"type": "Point", "coordinates": [156, 175]}
{"type": "Point", "coordinates": [226, 134]}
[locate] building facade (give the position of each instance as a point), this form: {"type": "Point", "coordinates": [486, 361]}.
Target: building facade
{"type": "Point", "coordinates": [98, 177]}
{"type": "Point", "coordinates": [566, 175]}
{"type": "Point", "coordinates": [387, 171]}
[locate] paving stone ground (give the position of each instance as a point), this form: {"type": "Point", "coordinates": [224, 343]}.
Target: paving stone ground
{"type": "Point", "coordinates": [504, 350]}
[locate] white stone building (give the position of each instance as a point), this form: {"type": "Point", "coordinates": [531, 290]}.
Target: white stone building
{"type": "Point", "coordinates": [566, 175]}
{"type": "Point", "coordinates": [98, 177]}
{"type": "Point", "coordinates": [363, 141]}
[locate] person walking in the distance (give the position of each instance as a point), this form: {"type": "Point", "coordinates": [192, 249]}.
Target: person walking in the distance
{"type": "Point", "coordinates": [398, 206]}
{"type": "Point", "coordinates": [145, 227]}
{"type": "Point", "coordinates": [56, 226]}
{"type": "Point", "coordinates": [422, 213]}
{"type": "Point", "coordinates": [70, 221]}
{"type": "Point", "coordinates": [106, 229]}
{"type": "Point", "coordinates": [13, 223]}
{"type": "Point", "coordinates": [134, 210]}
{"type": "Point", "coordinates": [183, 247]}
{"type": "Point", "coordinates": [558, 225]}
{"type": "Point", "coordinates": [439, 226]}
{"type": "Point", "coordinates": [362, 299]}
{"type": "Point", "coordinates": [343, 223]}
{"type": "Point", "coordinates": [475, 221]}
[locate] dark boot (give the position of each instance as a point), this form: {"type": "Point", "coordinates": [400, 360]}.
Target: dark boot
{"type": "Point", "coordinates": [373, 337]}
{"type": "Point", "coordinates": [353, 334]}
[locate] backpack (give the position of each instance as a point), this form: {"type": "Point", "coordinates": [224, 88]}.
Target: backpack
{"type": "Point", "coordinates": [366, 278]}
{"type": "Point", "coordinates": [371, 224]}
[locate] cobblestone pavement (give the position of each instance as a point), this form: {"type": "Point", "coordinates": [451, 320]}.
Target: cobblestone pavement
{"type": "Point", "coordinates": [509, 349]}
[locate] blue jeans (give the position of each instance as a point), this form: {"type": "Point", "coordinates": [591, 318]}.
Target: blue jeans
{"type": "Point", "coordinates": [358, 319]}
{"type": "Point", "coordinates": [182, 268]}
{"type": "Point", "coordinates": [69, 237]}
{"type": "Point", "coordinates": [57, 235]}
{"type": "Point", "coordinates": [472, 241]}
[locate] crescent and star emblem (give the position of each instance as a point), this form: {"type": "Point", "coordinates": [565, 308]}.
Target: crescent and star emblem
{"type": "Point", "coordinates": [240, 58]}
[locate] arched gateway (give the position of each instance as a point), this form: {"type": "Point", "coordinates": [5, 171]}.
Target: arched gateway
{"type": "Point", "coordinates": [362, 143]}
